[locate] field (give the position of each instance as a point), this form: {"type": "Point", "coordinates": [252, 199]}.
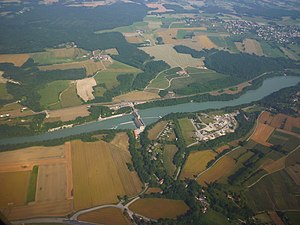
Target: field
{"type": "Point", "coordinates": [108, 77]}
{"type": "Point", "coordinates": [50, 94]}
{"type": "Point", "coordinates": [274, 192]}
{"type": "Point", "coordinates": [205, 42]}
{"type": "Point", "coordinates": [89, 65]}
{"type": "Point", "coordinates": [158, 8]}
{"type": "Point", "coordinates": [69, 97]}
{"type": "Point", "coordinates": [212, 217]}
{"type": "Point", "coordinates": [52, 183]}
{"type": "Point", "coordinates": [3, 92]}
{"type": "Point", "coordinates": [169, 152]}
{"type": "Point", "coordinates": [164, 79]}
{"type": "Point", "coordinates": [84, 88]}
{"type": "Point", "coordinates": [153, 190]}
{"type": "Point", "coordinates": [293, 217]}
{"type": "Point", "coordinates": [157, 208]}
{"type": "Point", "coordinates": [109, 216]}
{"type": "Point", "coordinates": [101, 168]}
{"type": "Point", "coordinates": [187, 130]}
{"type": "Point", "coordinates": [196, 163]}
{"type": "Point", "coordinates": [69, 113]}
{"type": "Point", "coordinates": [121, 141]}
{"type": "Point", "coordinates": [250, 46]}
{"type": "Point", "coordinates": [17, 59]}
{"type": "Point", "coordinates": [55, 56]}
{"type": "Point", "coordinates": [136, 96]}
{"type": "Point", "coordinates": [46, 176]}
{"type": "Point", "coordinates": [168, 54]}
{"type": "Point", "coordinates": [262, 133]}
{"type": "Point", "coordinates": [13, 190]}
{"type": "Point", "coordinates": [222, 168]}
{"type": "Point", "coordinates": [31, 193]}
{"type": "Point", "coordinates": [154, 131]}
{"type": "Point", "coordinates": [199, 76]}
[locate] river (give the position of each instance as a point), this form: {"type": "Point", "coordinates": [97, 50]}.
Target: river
{"type": "Point", "coordinates": [152, 114]}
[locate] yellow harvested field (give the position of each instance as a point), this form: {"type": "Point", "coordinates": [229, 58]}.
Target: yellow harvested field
{"type": "Point", "coordinates": [262, 133]}
{"type": "Point", "coordinates": [51, 183]}
{"type": "Point", "coordinates": [100, 168]}
{"type": "Point", "coordinates": [13, 189]}
{"type": "Point", "coordinates": [109, 216]}
{"type": "Point", "coordinates": [24, 159]}
{"type": "Point", "coordinates": [196, 163]}
{"type": "Point", "coordinates": [54, 180]}
{"type": "Point", "coordinates": [133, 38]}
{"type": "Point", "coordinates": [168, 54]}
{"type": "Point", "coordinates": [69, 113]}
{"type": "Point", "coordinates": [154, 131]}
{"type": "Point", "coordinates": [112, 51]}
{"type": "Point", "coordinates": [159, 208]}
{"type": "Point", "coordinates": [136, 96]}
{"type": "Point", "coordinates": [159, 8]}
{"type": "Point", "coordinates": [205, 42]}
{"type": "Point", "coordinates": [2, 79]}
{"type": "Point", "coordinates": [85, 89]}
{"type": "Point", "coordinates": [169, 35]}
{"type": "Point", "coordinates": [89, 65]}
{"type": "Point", "coordinates": [44, 209]}
{"type": "Point", "coordinates": [221, 169]}
{"type": "Point", "coordinates": [275, 165]}
{"type": "Point", "coordinates": [17, 59]}
{"type": "Point", "coordinates": [121, 141]}
{"type": "Point", "coordinates": [252, 47]}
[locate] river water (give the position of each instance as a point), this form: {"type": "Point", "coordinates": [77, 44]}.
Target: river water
{"type": "Point", "coordinates": [151, 115]}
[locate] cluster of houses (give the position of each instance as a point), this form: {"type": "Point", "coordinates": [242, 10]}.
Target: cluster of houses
{"type": "Point", "coordinates": [268, 32]}
{"type": "Point", "coordinates": [97, 55]}
{"type": "Point", "coordinates": [220, 126]}
{"type": "Point", "coordinates": [166, 132]}
{"type": "Point", "coordinates": [203, 201]}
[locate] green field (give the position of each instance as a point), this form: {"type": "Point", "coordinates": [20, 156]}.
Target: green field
{"type": "Point", "coordinates": [126, 29]}
{"type": "Point", "coordinates": [70, 98]}
{"type": "Point", "coordinates": [169, 152]}
{"type": "Point", "coordinates": [50, 93]}
{"type": "Point", "coordinates": [56, 56]}
{"type": "Point", "coordinates": [199, 80]}
{"type": "Point", "coordinates": [108, 77]}
{"type": "Point", "coordinates": [271, 51]}
{"type": "Point", "coordinates": [212, 217]}
{"type": "Point", "coordinates": [276, 191]}
{"type": "Point", "coordinates": [187, 130]}
{"type": "Point", "coordinates": [293, 217]}
{"type": "Point", "coordinates": [32, 184]}
{"type": "Point", "coordinates": [162, 80]}
{"type": "Point", "coordinates": [4, 95]}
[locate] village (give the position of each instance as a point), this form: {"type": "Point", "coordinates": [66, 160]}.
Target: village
{"type": "Point", "coordinates": [210, 127]}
